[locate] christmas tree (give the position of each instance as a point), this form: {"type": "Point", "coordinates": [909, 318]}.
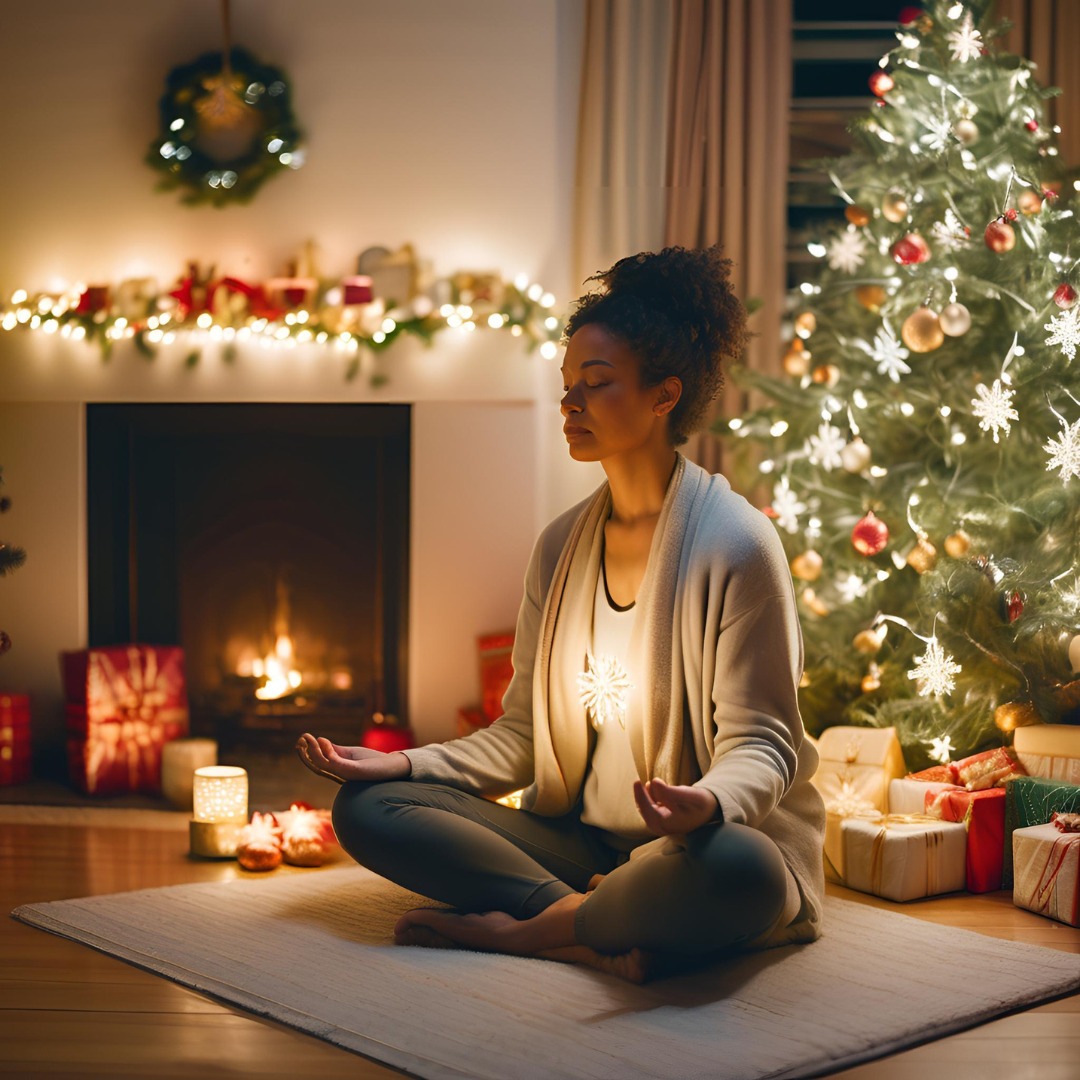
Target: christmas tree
{"type": "Point", "coordinates": [11, 558]}
{"type": "Point", "coordinates": [922, 453]}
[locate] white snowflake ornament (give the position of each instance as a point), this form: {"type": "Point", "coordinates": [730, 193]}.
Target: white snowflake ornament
{"type": "Point", "coordinates": [889, 354]}
{"type": "Point", "coordinates": [965, 43]}
{"type": "Point", "coordinates": [847, 252]}
{"type": "Point", "coordinates": [824, 448]}
{"type": "Point", "coordinates": [1065, 451]}
{"type": "Point", "coordinates": [603, 688]}
{"type": "Point", "coordinates": [934, 670]}
{"type": "Point", "coordinates": [1065, 331]}
{"type": "Point", "coordinates": [994, 409]}
{"type": "Point", "coordinates": [786, 506]}
{"type": "Point", "coordinates": [851, 587]}
{"type": "Point", "coordinates": [950, 233]}
{"type": "Point", "coordinates": [941, 749]}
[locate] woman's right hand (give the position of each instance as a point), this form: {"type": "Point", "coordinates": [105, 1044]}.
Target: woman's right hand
{"type": "Point", "coordinates": [355, 762]}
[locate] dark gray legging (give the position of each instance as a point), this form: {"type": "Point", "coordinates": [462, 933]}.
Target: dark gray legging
{"type": "Point", "coordinates": [720, 886]}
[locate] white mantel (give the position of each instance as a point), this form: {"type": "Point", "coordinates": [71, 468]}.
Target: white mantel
{"type": "Point", "coordinates": [446, 125]}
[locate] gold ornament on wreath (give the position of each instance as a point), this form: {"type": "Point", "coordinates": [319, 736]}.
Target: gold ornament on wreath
{"type": "Point", "coordinates": [226, 126]}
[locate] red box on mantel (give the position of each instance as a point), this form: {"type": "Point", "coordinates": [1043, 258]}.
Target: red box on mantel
{"type": "Point", "coordinates": [14, 738]}
{"type": "Point", "coordinates": [123, 704]}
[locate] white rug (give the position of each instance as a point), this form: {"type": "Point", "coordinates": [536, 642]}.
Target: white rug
{"type": "Point", "coordinates": [314, 951]}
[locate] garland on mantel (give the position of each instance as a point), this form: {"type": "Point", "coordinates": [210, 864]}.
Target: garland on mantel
{"type": "Point", "coordinates": [356, 313]}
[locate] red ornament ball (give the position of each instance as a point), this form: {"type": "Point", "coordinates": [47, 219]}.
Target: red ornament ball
{"type": "Point", "coordinates": [909, 15]}
{"type": "Point", "coordinates": [870, 535]}
{"type": "Point", "coordinates": [1032, 125]}
{"type": "Point", "coordinates": [999, 237]}
{"type": "Point", "coordinates": [1064, 295]}
{"type": "Point", "coordinates": [881, 82]}
{"type": "Point", "coordinates": [1014, 605]}
{"type": "Point", "coordinates": [910, 250]}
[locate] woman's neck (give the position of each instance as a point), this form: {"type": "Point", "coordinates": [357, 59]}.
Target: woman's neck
{"type": "Point", "coordinates": [638, 483]}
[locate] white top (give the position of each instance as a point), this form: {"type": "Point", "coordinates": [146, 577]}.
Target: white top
{"type": "Point", "coordinates": [605, 689]}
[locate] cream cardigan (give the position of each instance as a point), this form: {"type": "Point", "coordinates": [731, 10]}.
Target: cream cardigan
{"type": "Point", "coordinates": [718, 642]}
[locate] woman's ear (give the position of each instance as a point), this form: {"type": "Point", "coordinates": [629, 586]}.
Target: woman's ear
{"type": "Point", "coordinates": [670, 392]}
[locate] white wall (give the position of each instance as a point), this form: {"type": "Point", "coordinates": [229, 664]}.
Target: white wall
{"type": "Point", "coordinates": [450, 125]}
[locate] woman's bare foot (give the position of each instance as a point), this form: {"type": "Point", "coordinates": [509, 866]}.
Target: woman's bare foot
{"type": "Point", "coordinates": [548, 936]}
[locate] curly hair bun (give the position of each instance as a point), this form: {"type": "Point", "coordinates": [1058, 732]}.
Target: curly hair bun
{"type": "Point", "coordinates": [677, 310]}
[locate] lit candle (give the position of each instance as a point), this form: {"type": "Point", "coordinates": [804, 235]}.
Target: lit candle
{"type": "Point", "coordinates": [179, 760]}
{"type": "Point", "coordinates": [219, 797]}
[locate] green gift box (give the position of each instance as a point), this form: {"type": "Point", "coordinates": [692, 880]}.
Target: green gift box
{"type": "Point", "coordinates": [1032, 800]}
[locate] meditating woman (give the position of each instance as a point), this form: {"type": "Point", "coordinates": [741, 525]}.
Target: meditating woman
{"type": "Point", "coordinates": [652, 718]}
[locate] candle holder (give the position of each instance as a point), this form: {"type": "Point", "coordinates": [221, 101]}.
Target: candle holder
{"type": "Point", "coordinates": [220, 805]}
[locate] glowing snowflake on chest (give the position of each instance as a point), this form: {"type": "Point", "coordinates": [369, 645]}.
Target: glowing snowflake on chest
{"type": "Point", "coordinates": [847, 252]}
{"type": "Point", "coordinates": [786, 506]}
{"type": "Point", "coordinates": [994, 408]}
{"type": "Point", "coordinates": [1064, 451]}
{"type": "Point", "coordinates": [824, 448]}
{"type": "Point", "coordinates": [966, 43]}
{"type": "Point", "coordinates": [1065, 331]}
{"type": "Point", "coordinates": [934, 670]}
{"type": "Point", "coordinates": [604, 688]}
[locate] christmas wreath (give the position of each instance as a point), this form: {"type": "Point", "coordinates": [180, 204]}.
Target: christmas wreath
{"type": "Point", "coordinates": [227, 125]}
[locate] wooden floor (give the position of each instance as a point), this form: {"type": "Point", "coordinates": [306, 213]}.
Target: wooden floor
{"type": "Point", "coordinates": [66, 1010]}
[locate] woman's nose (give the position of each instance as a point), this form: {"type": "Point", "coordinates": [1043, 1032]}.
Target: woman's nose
{"type": "Point", "coordinates": [569, 403]}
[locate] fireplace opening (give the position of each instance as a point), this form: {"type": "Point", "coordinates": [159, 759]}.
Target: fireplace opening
{"type": "Point", "coordinates": [270, 542]}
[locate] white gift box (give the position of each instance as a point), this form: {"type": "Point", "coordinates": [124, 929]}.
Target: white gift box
{"type": "Point", "coordinates": [903, 859]}
{"type": "Point", "coordinates": [857, 764]}
{"type": "Point", "coordinates": [908, 796]}
{"type": "Point", "coordinates": [1051, 751]}
{"type": "Point", "coordinates": [1046, 872]}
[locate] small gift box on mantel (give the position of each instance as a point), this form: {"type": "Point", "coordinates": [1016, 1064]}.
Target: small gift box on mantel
{"type": "Point", "coordinates": [858, 763]}
{"type": "Point", "coordinates": [123, 704]}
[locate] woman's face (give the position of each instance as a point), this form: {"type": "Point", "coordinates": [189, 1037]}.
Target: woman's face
{"type": "Point", "coordinates": [606, 409]}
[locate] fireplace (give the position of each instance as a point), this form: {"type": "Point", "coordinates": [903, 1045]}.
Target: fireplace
{"type": "Point", "coordinates": [271, 542]}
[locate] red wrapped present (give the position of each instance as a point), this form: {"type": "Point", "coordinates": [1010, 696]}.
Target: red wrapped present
{"type": "Point", "coordinates": [496, 671]}
{"type": "Point", "coordinates": [14, 738]}
{"type": "Point", "coordinates": [987, 769]}
{"type": "Point", "coordinates": [470, 718]}
{"type": "Point", "coordinates": [983, 815]}
{"type": "Point", "coordinates": [124, 704]}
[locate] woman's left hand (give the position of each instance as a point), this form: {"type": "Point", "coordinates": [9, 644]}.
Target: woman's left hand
{"type": "Point", "coordinates": [669, 809]}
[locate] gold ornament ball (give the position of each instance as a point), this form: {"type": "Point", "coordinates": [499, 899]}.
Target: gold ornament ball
{"type": "Point", "coordinates": [1000, 237]}
{"type": "Point", "coordinates": [895, 207]}
{"type": "Point", "coordinates": [814, 602]}
{"type": "Point", "coordinates": [922, 556]}
{"type": "Point", "coordinates": [869, 641]}
{"type": "Point", "coordinates": [871, 681]}
{"type": "Point", "coordinates": [955, 319]}
{"type": "Point", "coordinates": [805, 323]}
{"type": "Point", "coordinates": [807, 565]}
{"type": "Point", "coordinates": [855, 456]}
{"type": "Point", "coordinates": [826, 375]}
{"type": "Point", "coordinates": [871, 297]}
{"type": "Point", "coordinates": [857, 216]}
{"type": "Point", "coordinates": [966, 131]}
{"type": "Point", "coordinates": [1014, 714]}
{"type": "Point", "coordinates": [957, 544]}
{"type": "Point", "coordinates": [796, 361]}
{"type": "Point", "coordinates": [1029, 201]}
{"type": "Point", "coordinates": [922, 331]}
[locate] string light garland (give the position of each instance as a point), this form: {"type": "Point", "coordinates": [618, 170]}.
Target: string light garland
{"type": "Point", "coordinates": [344, 318]}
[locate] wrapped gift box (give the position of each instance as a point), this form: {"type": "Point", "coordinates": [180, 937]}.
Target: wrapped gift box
{"type": "Point", "coordinates": [1046, 865]}
{"type": "Point", "coordinates": [1051, 751]}
{"type": "Point", "coordinates": [123, 704]}
{"type": "Point", "coordinates": [909, 796]}
{"type": "Point", "coordinates": [987, 770]}
{"type": "Point", "coordinates": [857, 764]}
{"type": "Point", "coordinates": [982, 813]}
{"type": "Point", "coordinates": [14, 738]}
{"type": "Point", "coordinates": [1033, 800]}
{"type": "Point", "coordinates": [903, 857]}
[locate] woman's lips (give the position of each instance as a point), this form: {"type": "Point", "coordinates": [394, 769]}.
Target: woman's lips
{"type": "Point", "coordinates": [571, 432]}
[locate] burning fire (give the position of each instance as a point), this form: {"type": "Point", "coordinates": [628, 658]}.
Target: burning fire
{"type": "Point", "coordinates": [277, 668]}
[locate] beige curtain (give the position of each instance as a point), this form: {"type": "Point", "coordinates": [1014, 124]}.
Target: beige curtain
{"type": "Point", "coordinates": [1048, 33]}
{"type": "Point", "coordinates": [619, 194]}
{"type": "Point", "coordinates": [727, 161]}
